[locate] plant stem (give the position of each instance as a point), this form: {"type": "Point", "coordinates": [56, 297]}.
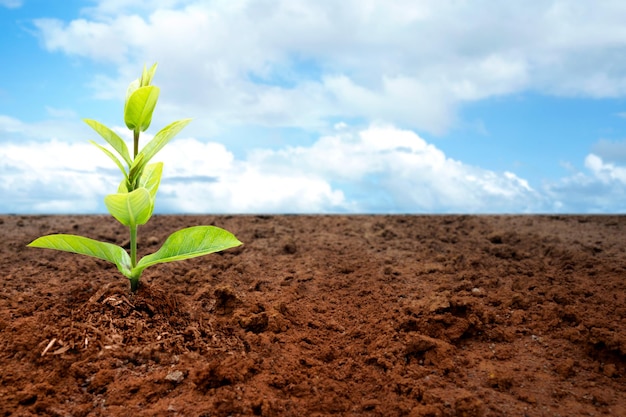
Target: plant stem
{"type": "Point", "coordinates": [133, 246]}
{"type": "Point", "coordinates": [134, 282]}
{"type": "Point", "coordinates": [136, 142]}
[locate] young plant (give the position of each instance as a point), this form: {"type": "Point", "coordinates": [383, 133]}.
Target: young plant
{"type": "Point", "coordinates": [133, 203]}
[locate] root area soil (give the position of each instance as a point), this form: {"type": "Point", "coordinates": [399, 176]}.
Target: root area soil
{"type": "Point", "coordinates": [321, 315]}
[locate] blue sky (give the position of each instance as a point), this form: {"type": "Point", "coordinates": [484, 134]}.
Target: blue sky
{"type": "Point", "coordinates": [301, 106]}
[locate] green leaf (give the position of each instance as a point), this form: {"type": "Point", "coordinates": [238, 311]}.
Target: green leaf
{"type": "Point", "coordinates": [132, 87]}
{"type": "Point", "coordinates": [162, 138]}
{"type": "Point", "coordinates": [130, 209]}
{"type": "Point", "coordinates": [140, 106]}
{"type": "Point", "coordinates": [147, 75]}
{"type": "Point", "coordinates": [190, 243]}
{"type": "Point", "coordinates": [123, 187]}
{"type": "Point", "coordinates": [151, 178]}
{"type": "Point", "coordinates": [86, 246]}
{"type": "Point", "coordinates": [143, 81]}
{"type": "Point", "coordinates": [113, 158]}
{"type": "Point", "coordinates": [112, 138]}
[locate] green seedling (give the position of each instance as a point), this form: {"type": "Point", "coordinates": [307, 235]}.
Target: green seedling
{"type": "Point", "coordinates": [133, 203]}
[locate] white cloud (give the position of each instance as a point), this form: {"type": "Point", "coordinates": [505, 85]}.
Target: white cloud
{"type": "Point", "coordinates": [407, 173]}
{"type": "Point", "coordinates": [301, 63]}
{"type": "Point", "coordinates": [605, 172]}
{"type": "Point", "coordinates": [601, 188]}
{"type": "Point", "coordinates": [96, 40]}
{"type": "Point", "coordinates": [379, 169]}
{"type": "Point", "coordinates": [51, 176]}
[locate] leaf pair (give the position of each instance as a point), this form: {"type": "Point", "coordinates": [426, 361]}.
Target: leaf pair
{"type": "Point", "coordinates": [134, 168]}
{"type": "Point", "coordinates": [184, 244]}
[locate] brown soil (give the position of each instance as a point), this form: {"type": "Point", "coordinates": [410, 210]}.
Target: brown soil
{"type": "Point", "coordinates": [320, 315]}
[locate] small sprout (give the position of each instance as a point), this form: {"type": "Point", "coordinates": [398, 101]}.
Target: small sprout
{"type": "Point", "coordinates": [133, 203]}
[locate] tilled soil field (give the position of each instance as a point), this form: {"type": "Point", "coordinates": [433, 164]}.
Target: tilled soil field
{"type": "Point", "coordinates": [321, 315]}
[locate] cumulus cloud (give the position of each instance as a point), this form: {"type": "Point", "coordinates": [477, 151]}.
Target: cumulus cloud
{"type": "Point", "coordinates": [207, 178]}
{"type": "Point", "coordinates": [601, 188]}
{"type": "Point", "coordinates": [52, 177]}
{"type": "Point", "coordinates": [390, 169]}
{"type": "Point", "coordinates": [378, 169]}
{"type": "Point", "coordinates": [302, 63]}
{"type": "Point", "coordinates": [605, 172]}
